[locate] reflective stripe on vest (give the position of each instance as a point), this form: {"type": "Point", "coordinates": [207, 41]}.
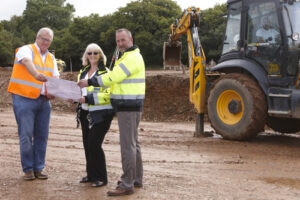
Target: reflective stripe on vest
{"type": "Point", "coordinates": [136, 80]}
{"type": "Point", "coordinates": [38, 67]}
{"type": "Point", "coordinates": [128, 96]}
{"type": "Point", "coordinates": [99, 107]}
{"type": "Point", "coordinates": [13, 80]}
{"type": "Point", "coordinates": [100, 81]}
{"type": "Point", "coordinates": [124, 68]}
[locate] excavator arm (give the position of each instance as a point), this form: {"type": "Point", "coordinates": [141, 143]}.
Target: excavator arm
{"type": "Point", "coordinates": [189, 18]}
{"type": "Point", "coordinates": [188, 25]}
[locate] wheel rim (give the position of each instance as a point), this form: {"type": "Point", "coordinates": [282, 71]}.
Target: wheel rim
{"type": "Point", "coordinates": [222, 107]}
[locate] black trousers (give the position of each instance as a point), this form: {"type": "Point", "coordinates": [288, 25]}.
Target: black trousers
{"type": "Point", "coordinates": [92, 142]}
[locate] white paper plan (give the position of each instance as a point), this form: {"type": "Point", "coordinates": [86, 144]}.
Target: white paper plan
{"type": "Point", "coordinates": [63, 88]}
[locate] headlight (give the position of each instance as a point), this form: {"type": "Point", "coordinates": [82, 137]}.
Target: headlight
{"type": "Point", "coordinates": [295, 36]}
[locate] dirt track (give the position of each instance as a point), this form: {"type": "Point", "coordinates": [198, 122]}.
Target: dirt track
{"type": "Point", "coordinates": [176, 164]}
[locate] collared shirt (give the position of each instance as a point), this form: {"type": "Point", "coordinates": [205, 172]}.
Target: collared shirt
{"type": "Point", "coordinates": [267, 34]}
{"type": "Point", "coordinates": [26, 52]}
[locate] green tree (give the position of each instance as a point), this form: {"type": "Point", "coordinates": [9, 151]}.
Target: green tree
{"type": "Point", "coordinates": [212, 29]}
{"type": "Point", "coordinates": [6, 46]}
{"type": "Point", "coordinates": [50, 13]}
{"type": "Point", "coordinates": [149, 22]}
{"type": "Point", "coordinates": [71, 42]}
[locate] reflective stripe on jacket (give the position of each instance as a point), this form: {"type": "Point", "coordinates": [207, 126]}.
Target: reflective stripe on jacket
{"type": "Point", "coordinates": [127, 81]}
{"type": "Point", "coordinates": [98, 98]}
{"type": "Point", "coordinates": [22, 82]}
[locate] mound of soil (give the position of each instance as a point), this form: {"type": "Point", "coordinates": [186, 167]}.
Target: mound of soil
{"type": "Point", "coordinates": [167, 95]}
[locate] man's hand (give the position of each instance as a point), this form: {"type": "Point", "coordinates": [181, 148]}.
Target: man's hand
{"type": "Point", "coordinates": [40, 77]}
{"type": "Point", "coordinates": [83, 83]}
{"type": "Point", "coordinates": [269, 39]}
{"type": "Point", "coordinates": [32, 70]}
{"type": "Point", "coordinates": [50, 97]}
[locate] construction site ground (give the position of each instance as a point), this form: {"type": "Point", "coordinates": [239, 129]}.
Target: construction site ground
{"type": "Point", "coordinates": [177, 165]}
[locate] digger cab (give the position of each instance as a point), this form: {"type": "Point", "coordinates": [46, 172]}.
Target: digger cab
{"type": "Point", "coordinates": [262, 41]}
{"type": "Point", "coordinates": [265, 33]}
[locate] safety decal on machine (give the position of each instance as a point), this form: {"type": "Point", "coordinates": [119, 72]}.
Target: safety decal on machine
{"type": "Point", "coordinates": [197, 84]}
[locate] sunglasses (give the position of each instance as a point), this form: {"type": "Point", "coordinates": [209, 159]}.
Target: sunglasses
{"type": "Point", "coordinates": [90, 53]}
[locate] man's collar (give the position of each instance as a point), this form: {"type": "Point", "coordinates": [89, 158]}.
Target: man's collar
{"type": "Point", "coordinates": [127, 50]}
{"type": "Point", "coordinates": [131, 48]}
{"type": "Point", "coordinates": [39, 50]}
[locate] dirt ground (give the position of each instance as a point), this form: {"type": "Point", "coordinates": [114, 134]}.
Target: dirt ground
{"type": "Point", "coordinates": [176, 164]}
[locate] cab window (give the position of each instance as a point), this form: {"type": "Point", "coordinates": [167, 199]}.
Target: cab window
{"type": "Point", "coordinates": [232, 34]}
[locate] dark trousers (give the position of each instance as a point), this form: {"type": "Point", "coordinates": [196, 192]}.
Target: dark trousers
{"type": "Point", "coordinates": [92, 142]}
{"type": "Point", "coordinates": [131, 155]}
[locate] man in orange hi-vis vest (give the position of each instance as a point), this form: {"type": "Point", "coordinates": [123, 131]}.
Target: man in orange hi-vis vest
{"type": "Point", "coordinates": [31, 104]}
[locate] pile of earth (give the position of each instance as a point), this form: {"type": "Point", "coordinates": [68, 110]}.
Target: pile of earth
{"type": "Point", "coordinates": [167, 95]}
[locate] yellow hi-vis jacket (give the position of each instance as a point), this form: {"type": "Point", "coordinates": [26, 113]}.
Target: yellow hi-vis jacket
{"type": "Point", "coordinates": [22, 82]}
{"type": "Point", "coordinates": [98, 98]}
{"type": "Point", "coordinates": [127, 81]}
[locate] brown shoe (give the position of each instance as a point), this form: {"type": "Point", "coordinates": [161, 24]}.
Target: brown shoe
{"type": "Point", "coordinates": [29, 176]}
{"type": "Point", "coordinates": [40, 175]}
{"type": "Point", "coordinates": [119, 192]}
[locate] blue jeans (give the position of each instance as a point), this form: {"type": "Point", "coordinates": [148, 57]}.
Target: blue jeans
{"type": "Point", "coordinates": [33, 117]}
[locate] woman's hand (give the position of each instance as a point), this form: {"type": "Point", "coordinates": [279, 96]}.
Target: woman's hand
{"type": "Point", "coordinates": [83, 83]}
{"type": "Point", "coordinates": [81, 100]}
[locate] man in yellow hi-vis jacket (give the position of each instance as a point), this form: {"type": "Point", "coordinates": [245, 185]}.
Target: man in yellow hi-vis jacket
{"type": "Point", "coordinates": [127, 81]}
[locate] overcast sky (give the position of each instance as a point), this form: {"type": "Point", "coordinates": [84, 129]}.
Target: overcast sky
{"type": "Point", "coordinates": [8, 8]}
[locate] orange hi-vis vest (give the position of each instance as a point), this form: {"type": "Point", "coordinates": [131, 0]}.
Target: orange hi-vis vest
{"type": "Point", "coordinates": [22, 82]}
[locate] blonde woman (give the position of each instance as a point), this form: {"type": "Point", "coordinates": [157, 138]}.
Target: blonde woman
{"type": "Point", "coordinates": [95, 115]}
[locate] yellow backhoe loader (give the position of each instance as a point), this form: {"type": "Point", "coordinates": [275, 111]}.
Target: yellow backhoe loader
{"type": "Point", "coordinates": [61, 65]}
{"type": "Point", "coordinates": [256, 81]}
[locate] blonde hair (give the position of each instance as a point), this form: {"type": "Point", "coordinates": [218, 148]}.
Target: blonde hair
{"type": "Point", "coordinates": [93, 47]}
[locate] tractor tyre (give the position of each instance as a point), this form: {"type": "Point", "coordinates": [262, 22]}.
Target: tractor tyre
{"type": "Point", "coordinates": [237, 107]}
{"type": "Point", "coordinates": [284, 125]}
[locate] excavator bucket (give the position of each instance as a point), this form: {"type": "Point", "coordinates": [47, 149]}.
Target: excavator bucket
{"type": "Point", "coordinates": [172, 54]}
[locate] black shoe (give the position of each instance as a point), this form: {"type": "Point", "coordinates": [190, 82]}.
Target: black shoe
{"type": "Point", "coordinates": [98, 184]}
{"type": "Point", "coordinates": [84, 180]}
{"type": "Point", "coordinates": [137, 185]}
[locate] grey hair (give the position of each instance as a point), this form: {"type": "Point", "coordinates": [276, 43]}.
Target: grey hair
{"type": "Point", "coordinates": [47, 30]}
{"type": "Point", "coordinates": [95, 47]}
{"type": "Point", "coordinates": [126, 30]}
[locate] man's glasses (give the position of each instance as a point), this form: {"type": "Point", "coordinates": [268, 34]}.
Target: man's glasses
{"type": "Point", "coordinates": [90, 53]}
{"type": "Point", "coordinates": [44, 39]}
